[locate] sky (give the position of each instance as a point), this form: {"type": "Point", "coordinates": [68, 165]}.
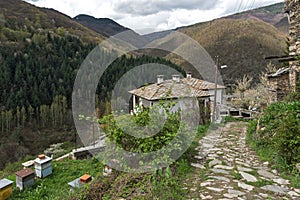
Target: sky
{"type": "Point", "coordinates": [146, 16]}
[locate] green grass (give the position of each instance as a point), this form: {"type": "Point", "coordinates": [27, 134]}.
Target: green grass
{"type": "Point", "coordinates": [236, 175]}
{"type": "Point", "coordinates": [164, 185]}
{"type": "Point", "coordinates": [56, 185]}
{"type": "Point", "coordinates": [267, 152]}
{"type": "Point", "coordinates": [260, 183]}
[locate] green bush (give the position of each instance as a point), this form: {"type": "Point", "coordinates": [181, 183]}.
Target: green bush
{"type": "Point", "coordinates": [279, 131]}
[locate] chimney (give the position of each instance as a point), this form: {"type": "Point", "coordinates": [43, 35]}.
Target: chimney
{"type": "Point", "coordinates": [176, 78]}
{"type": "Point", "coordinates": [160, 79]}
{"type": "Point", "coordinates": [189, 75]}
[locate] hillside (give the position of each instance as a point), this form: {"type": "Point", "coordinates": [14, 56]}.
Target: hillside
{"type": "Point", "coordinates": [21, 18]}
{"type": "Point", "coordinates": [108, 27]}
{"type": "Point", "coordinates": [241, 44]}
{"type": "Point", "coordinates": [40, 51]}
{"type": "Point", "coordinates": [241, 40]}
{"type": "Point", "coordinates": [104, 26]}
{"type": "Point", "coordinates": [18, 15]}
{"type": "Point", "coordinates": [273, 14]}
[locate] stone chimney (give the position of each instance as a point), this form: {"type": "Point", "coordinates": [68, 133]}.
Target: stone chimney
{"type": "Point", "coordinates": [189, 75]}
{"type": "Point", "coordinates": [160, 79]}
{"type": "Point", "coordinates": [176, 78]}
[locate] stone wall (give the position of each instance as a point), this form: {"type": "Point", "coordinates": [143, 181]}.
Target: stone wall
{"type": "Point", "coordinates": [279, 87]}
{"type": "Point", "coordinates": [292, 8]}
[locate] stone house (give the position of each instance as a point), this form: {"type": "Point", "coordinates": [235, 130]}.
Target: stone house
{"type": "Point", "coordinates": [279, 84]}
{"type": "Point", "coordinates": [285, 80]}
{"type": "Point", "coordinates": [182, 91]}
{"type": "Point", "coordinates": [292, 9]}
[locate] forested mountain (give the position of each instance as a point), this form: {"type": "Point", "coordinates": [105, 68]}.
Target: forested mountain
{"type": "Point", "coordinates": [20, 20]}
{"type": "Point", "coordinates": [104, 26]}
{"type": "Point", "coordinates": [273, 14]}
{"type": "Point", "coordinates": [241, 44]}
{"type": "Point", "coordinates": [242, 40]}
{"type": "Point", "coordinates": [109, 28]}
{"type": "Point", "coordinates": [40, 53]}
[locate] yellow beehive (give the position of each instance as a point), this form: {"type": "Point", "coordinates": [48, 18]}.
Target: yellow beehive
{"type": "Point", "coordinates": [5, 189]}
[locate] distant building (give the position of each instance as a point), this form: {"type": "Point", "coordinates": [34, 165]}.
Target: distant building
{"type": "Point", "coordinates": [5, 188]}
{"type": "Point", "coordinates": [25, 178]}
{"type": "Point", "coordinates": [183, 91]}
{"type": "Point", "coordinates": [43, 166]}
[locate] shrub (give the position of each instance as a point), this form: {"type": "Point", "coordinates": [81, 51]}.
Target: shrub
{"type": "Point", "coordinates": [279, 130]}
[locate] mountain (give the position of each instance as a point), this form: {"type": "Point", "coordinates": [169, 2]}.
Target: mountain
{"type": "Point", "coordinates": [242, 41]}
{"type": "Point", "coordinates": [104, 26]}
{"type": "Point", "coordinates": [40, 53]}
{"type": "Point", "coordinates": [19, 18]}
{"type": "Point", "coordinates": [157, 35]}
{"type": "Point", "coordinates": [108, 27]}
{"type": "Point", "coordinates": [273, 14]}
{"type": "Point", "coordinates": [242, 44]}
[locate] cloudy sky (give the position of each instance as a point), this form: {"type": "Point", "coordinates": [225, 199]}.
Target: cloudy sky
{"type": "Point", "coordinates": [146, 16]}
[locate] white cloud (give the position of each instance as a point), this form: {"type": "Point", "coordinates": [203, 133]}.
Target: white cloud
{"type": "Point", "coordinates": [146, 16]}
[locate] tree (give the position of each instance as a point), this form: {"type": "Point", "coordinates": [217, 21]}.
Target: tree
{"type": "Point", "coordinates": [243, 84]}
{"type": "Point", "coordinates": [23, 116]}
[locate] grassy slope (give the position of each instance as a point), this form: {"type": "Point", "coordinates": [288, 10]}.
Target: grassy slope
{"type": "Point", "coordinates": [56, 185]}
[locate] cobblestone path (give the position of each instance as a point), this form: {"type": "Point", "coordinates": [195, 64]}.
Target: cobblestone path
{"type": "Point", "coordinates": [227, 168]}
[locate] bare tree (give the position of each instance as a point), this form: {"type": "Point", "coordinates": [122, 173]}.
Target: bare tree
{"type": "Point", "coordinates": [243, 84]}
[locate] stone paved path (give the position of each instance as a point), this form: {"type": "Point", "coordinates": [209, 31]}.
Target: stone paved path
{"type": "Point", "coordinates": [227, 168]}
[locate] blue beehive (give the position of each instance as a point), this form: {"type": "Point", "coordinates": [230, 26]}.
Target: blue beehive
{"type": "Point", "coordinates": [43, 166]}
{"type": "Point", "coordinates": [25, 178]}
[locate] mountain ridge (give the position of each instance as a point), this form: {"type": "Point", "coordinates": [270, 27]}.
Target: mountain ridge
{"type": "Point", "coordinates": [97, 24]}
{"type": "Point", "coordinates": [20, 15]}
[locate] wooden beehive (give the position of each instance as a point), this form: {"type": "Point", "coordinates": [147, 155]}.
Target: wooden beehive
{"type": "Point", "coordinates": [77, 183]}
{"type": "Point", "coordinates": [5, 188]}
{"type": "Point", "coordinates": [25, 178]}
{"type": "Point", "coordinates": [43, 166]}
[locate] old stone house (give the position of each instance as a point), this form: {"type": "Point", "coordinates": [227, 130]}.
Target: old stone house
{"type": "Point", "coordinates": [292, 9]}
{"type": "Point", "coordinates": [279, 84]}
{"type": "Point", "coordinates": [182, 91]}
{"type": "Point", "coordinates": [285, 80]}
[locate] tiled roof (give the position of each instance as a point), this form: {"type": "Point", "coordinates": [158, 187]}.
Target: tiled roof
{"type": "Point", "coordinates": [170, 89]}
{"type": "Point", "coordinates": [201, 84]}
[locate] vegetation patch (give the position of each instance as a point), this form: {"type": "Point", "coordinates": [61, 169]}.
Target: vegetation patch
{"type": "Point", "coordinates": [275, 136]}
{"type": "Point", "coordinates": [55, 186]}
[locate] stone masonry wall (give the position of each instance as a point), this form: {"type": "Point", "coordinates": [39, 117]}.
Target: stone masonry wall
{"type": "Point", "coordinates": [293, 10]}
{"type": "Point", "coordinates": [279, 87]}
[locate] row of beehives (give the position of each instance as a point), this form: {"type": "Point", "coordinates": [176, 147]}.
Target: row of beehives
{"type": "Point", "coordinates": [26, 177]}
